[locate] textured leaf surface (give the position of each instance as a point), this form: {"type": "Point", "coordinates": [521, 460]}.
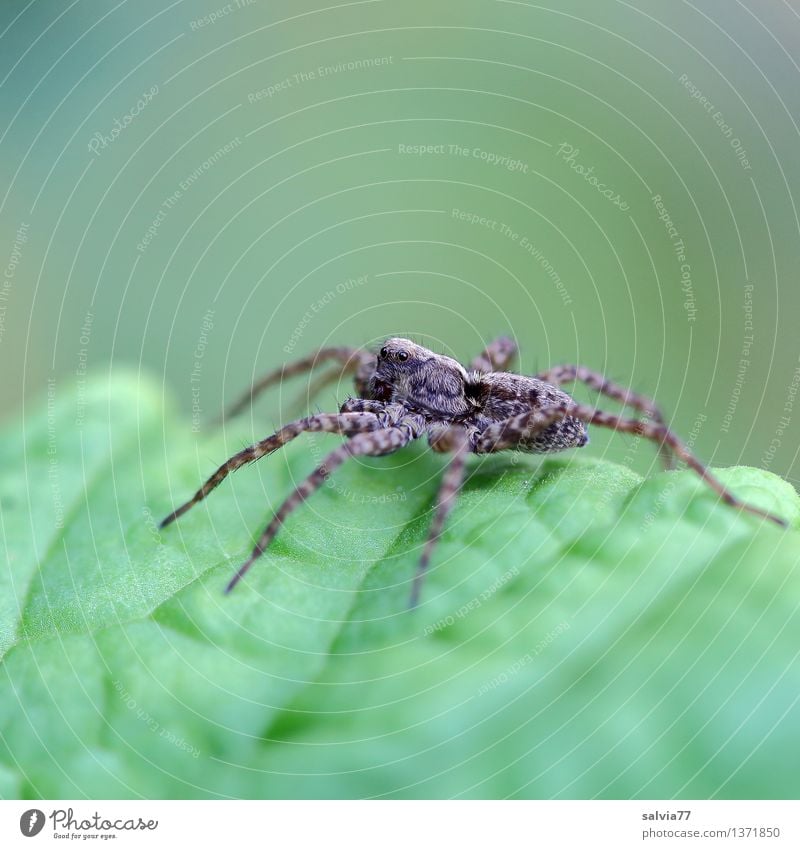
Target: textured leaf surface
{"type": "Point", "coordinates": [583, 633]}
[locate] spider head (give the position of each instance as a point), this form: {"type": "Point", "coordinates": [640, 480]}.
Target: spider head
{"type": "Point", "coordinates": [420, 379]}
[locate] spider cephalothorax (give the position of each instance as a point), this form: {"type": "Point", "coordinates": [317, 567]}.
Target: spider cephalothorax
{"type": "Point", "coordinates": [406, 391]}
{"type": "Point", "coordinates": [428, 383]}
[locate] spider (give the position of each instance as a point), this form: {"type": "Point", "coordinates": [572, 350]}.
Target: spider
{"type": "Point", "coordinates": [407, 391]}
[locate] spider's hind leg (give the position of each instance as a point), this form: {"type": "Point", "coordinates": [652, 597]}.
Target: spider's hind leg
{"type": "Point", "coordinates": [521, 428]}
{"type": "Point", "coordinates": [595, 380]}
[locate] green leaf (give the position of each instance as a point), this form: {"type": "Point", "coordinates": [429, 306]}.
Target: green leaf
{"type": "Point", "coordinates": [583, 632]}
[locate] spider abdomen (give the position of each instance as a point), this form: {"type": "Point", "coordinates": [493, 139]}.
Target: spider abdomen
{"type": "Point", "coordinates": [566, 433]}
{"type": "Point", "coordinates": [500, 396]}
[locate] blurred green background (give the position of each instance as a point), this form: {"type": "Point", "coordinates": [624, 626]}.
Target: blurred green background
{"type": "Point", "coordinates": [316, 189]}
{"type": "Point", "coordinates": [202, 191]}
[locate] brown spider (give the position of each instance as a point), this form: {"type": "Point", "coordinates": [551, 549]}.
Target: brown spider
{"type": "Point", "coordinates": [407, 391]}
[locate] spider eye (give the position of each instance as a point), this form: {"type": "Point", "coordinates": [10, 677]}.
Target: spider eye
{"type": "Point", "coordinates": [384, 353]}
{"type": "Point", "coordinates": [402, 355]}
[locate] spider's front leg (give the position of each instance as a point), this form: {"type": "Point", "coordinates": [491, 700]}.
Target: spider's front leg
{"type": "Point", "coordinates": [518, 430]}
{"type": "Point", "coordinates": [345, 424]}
{"type": "Point", "coordinates": [356, 360]}
{"type": "Point", "coordinates": [378, 442]}
{"type": "Point", "coordinates": [559, 375]}
{"type": "Point", "coordinates": [448, 439]}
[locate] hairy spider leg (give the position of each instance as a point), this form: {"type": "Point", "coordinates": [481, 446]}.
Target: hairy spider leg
{"type": "Point", "coordinates": [594, 380]}
{"type": "Point", "coordinates": [362, 405]}
{"type": "Point", "coordinates": [496, 356]}
{"type": "Point", "coordinates": [509, 433]}
{"type": "Point", "coordinates": [445, 500]}
{"type": "Point", "coordinates": [341, 423]}
{"type": "Point", "coordinates": [351, 359]}
{"type": "Point", "coordinates": [384, 441]}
